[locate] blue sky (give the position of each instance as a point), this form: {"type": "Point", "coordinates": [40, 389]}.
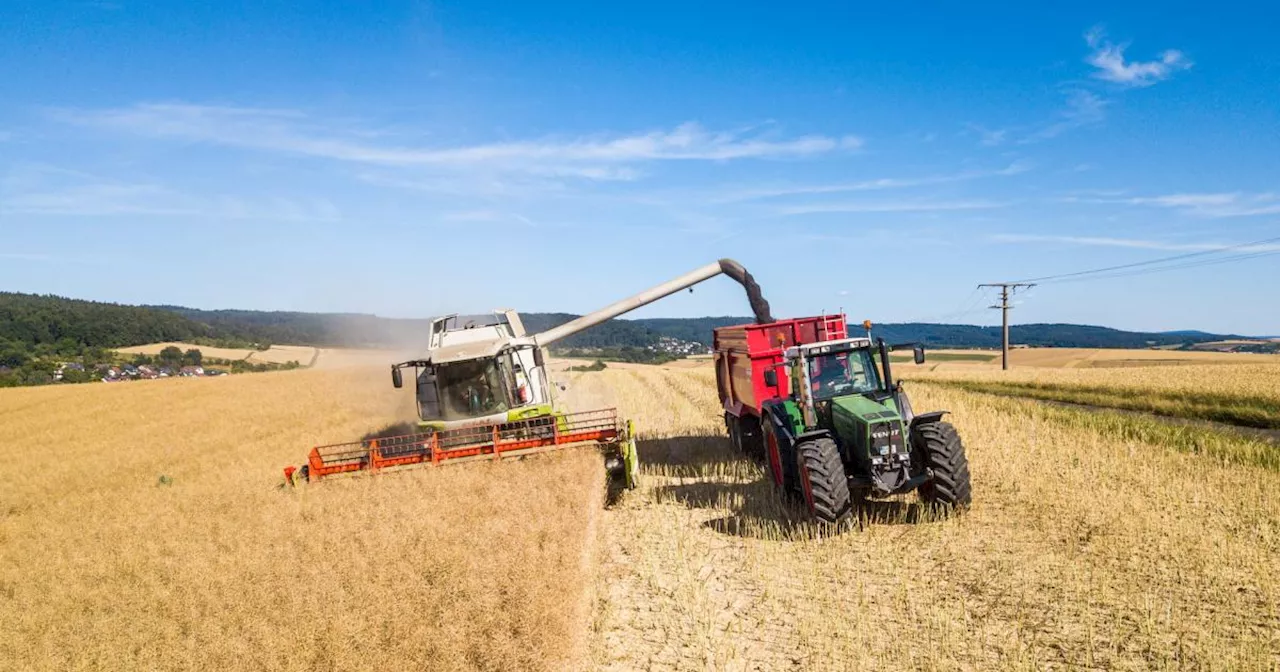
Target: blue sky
{"type": "Point", "coordinates": [414, 158]}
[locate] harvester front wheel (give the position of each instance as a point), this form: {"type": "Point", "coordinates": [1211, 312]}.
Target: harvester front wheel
{"type": "Point", "coordinates": [824, 488]}
{"type": "Point", "coordinates": [938, 447]}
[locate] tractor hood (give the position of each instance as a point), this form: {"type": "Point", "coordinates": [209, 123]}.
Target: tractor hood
{"type": "Point", "coordinates": [857, 408]}
{"type": "Point", "coordinates": [874, 435]}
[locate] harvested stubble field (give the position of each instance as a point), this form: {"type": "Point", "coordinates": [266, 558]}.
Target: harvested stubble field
{"type": "Point", "coordinates": [1089, 545]}
{"type": "Point", "coordinates": [276, 354]}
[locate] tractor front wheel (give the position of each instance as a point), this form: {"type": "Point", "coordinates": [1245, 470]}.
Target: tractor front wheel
{"type": "Point", "coordinates": [938, 447]}
{"type": "Point", "coordinates": [824, 488]}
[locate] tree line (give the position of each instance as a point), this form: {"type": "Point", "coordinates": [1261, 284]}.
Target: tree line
{"type": "Point", "coordinates": [61, 326]}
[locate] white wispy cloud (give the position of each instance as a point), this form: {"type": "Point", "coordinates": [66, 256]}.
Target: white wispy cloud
{"type": "Point", "coordinates": [53, 191]}
{"type": "Point", "coordinates": [763, 192]}
{"type": "Point", "coordinates": [888, 206]}
{"type": "Point", "coordinates": [1217, 205]}
{"type": "Point", "coordinates": [592, 157]}
{"type": "Point", "coordinates": [989, 137]}
{"type": "Point", "coordinates": [1111, 65]}
{"type": "Point", "coordinates": [488, 217]}
{"type": "Point", "coordinates": [23, 256]}
{"type": "Point", "coordinates": [1102, 241]}
{"type": "Point", "coordinates": [1083, 108]}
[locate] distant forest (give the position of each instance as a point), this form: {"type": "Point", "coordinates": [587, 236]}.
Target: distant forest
{"type": "Point", "coordinates": [47, 325]}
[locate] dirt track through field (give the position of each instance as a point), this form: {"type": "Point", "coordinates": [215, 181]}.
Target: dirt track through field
{"type": "Point", "coordinates": [1079, 552]}
{"type": "Point", "coordinates": [1272, 435]}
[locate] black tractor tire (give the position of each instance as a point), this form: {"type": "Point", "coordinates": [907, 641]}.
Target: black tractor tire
{"type": "Point", "coordinates": [824, 487]}
{"type": "Point", "coordinates": [938, 447]}
{"type": "Point", "coordinates": [733, 427]}
{"type": "Point", "coordinates": [751, 437]}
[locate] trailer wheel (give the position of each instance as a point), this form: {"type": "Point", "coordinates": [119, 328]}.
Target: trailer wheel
{"type": "Point", "coordinates": [750, 439]}
{"type": "Point", "coordinates": [937, 446]}
{"type": "Point", "coordinates": [824, 488]}
{"type": "Point", "coordinates": [733, 426]}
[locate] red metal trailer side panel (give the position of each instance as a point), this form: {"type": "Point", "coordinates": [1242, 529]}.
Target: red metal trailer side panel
{"type": "Point", "coordinates": [744, 352]}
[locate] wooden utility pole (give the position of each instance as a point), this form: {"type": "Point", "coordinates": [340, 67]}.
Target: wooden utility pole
{"type": "Point", "coordinates": [1004, 313]}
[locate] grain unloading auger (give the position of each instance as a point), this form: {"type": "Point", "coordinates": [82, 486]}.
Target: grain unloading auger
{"type": "Point", "coordinates": [483, 394]}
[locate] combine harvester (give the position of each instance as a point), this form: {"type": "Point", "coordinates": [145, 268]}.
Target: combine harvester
{"type": "Point", "coordinates": [483, 394]}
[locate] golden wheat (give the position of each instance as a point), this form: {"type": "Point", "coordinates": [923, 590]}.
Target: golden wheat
{"type": "Point", "coordinates": [1084, 548]}
{"type": "Point", "coordinates": [103, 566]}
{"type": "Point", "coordinates": [1080, 551]}
{"type": "Point", "coordinates": [1259, 377]}
{"type": "Point", "coordinates": [278, 354]}
{"type": "Point", "coordinates": [1107, 358]}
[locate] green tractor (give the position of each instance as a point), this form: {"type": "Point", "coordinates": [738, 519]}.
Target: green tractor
{"type": "Point", "coordinates": [845, 430]}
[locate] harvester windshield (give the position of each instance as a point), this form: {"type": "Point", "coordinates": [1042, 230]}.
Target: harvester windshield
{"type": "Point", "coordinates": [471, 389]}
{"type": "Point", "coordinates": [839, 373]}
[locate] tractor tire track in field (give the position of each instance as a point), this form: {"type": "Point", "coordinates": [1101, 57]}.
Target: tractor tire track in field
{"type": "Point", "coordinates": [681, 595]}
{"type": "Point", "coordinates": [1082, 550]}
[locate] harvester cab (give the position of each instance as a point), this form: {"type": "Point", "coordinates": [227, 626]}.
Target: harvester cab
{"type": "Point", "coordinates": [479, 369]}
{"type": "Point", "coordinates": [847, 429]}
{"type": "Point", "coordinates": [483, 391]}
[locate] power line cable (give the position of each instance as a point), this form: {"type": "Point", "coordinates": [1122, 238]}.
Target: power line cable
{"type": "Point", "coordinates": [968, 306]}
{"type": "Point", "coordinates": [1150, 262]}
{"type": "Point", "coordinates": [1174, 267]}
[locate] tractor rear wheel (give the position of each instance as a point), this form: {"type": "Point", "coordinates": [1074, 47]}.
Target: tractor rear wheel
{"type": "Point", "coordinates": [824, 488]}
{"type": "Point", "coordinates": [774, 449]}
{"type": "Point", "coordinates": [938, 447]}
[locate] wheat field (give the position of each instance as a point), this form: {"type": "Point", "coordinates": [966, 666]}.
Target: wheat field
{"type": "Point", "coordinates": [276, 354]}
{"type": "Point", "coordinates": [1087, 358]}
{"type": "Point", "coordinates": [104, 567]}
{"type": "Point", "coordinates": [1081, 550]}
{"type": "Point", "coordinates": [1085, 548]}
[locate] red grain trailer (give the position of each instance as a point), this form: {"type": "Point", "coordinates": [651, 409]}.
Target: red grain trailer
{"type": "Point", "coordinates": [744, 352]}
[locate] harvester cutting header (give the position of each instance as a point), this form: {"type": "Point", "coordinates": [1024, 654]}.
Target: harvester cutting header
{"type": "Point", "coordinates": [482, 390]}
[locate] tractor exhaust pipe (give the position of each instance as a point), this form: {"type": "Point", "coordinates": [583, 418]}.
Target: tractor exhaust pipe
{"type": "Point", "coordinates": [728, 267]}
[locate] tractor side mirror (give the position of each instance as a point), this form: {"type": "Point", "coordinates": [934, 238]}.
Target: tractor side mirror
{"type": "Point", "coordinates": [770, 377]}
{"type": "Point", "coordinates": [919, 353]}
{"type": "Point", "coordinates": [396, 378]}
{"type": "Point", "coordinates": [537, 357]}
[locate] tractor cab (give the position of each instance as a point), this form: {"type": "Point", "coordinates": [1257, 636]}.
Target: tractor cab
{"type": "Point", "coordinates": [824, 371]}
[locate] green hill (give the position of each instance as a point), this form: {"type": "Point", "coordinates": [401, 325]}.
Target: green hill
{"type": "Point", "coordinates": [45, 326]}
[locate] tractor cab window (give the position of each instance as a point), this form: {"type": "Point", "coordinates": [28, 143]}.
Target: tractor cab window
{"type": "Point", "coordinates": [471, 389]}
{"type": "Point", "coordinates": [841, 373]}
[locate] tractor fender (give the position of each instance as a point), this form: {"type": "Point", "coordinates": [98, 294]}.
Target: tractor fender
{"type": "Point", "coordinates": [926, 418]}
{"type": "Point", "coordinates": [813, 434]}
{"type": "Point", "coordinates": [776, 416]}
